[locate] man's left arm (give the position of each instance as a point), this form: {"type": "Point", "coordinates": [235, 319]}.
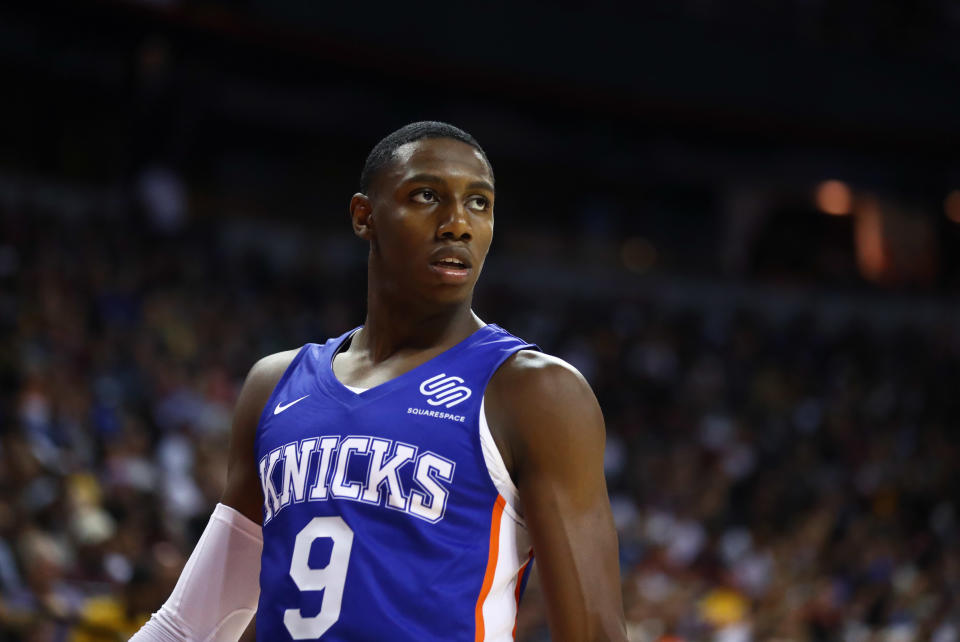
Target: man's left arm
{"type": "Point", "coordinates": [549, 427]}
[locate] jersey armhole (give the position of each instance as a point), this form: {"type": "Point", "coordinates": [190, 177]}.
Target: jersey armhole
{"type": "Point", "coordinates": [498, 470]}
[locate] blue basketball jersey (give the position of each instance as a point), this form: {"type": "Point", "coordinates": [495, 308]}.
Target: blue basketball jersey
{"type": "Point", "coordinates": [388, 514]}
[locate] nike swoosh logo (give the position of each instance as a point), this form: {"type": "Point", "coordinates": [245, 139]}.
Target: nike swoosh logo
{"type": "Point", "coordinates": [280, 407]}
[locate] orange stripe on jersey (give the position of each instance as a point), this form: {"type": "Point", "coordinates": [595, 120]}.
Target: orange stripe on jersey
{"type": "Point", "coordinates": [516, 591]}
{"type": "Point", "coordinates": [491, 563]}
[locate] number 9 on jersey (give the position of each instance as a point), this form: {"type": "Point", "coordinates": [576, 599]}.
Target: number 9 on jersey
{"type": "Point", "coordinates": [330, 579]}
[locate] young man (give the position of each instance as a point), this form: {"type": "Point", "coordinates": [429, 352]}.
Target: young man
{"type": "Point", "coordinates": [404, 473]}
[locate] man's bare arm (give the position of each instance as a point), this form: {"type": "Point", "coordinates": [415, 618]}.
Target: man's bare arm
{"type": "Point", "coordinates": [547, 423]}
{"type": "Point", "coordinates": [216, 595]}
{"type": "Point", "coordinates": [243, 492]}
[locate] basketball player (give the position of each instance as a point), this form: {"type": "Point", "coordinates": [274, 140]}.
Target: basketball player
{"type": "Point", "coordinates": [395, 482]}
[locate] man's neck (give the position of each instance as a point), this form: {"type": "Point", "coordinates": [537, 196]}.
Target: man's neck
{"type": "Point", "coordinates": [392, 326]}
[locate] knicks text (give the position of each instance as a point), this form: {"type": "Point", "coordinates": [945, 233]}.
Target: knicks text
{"type": "Point", "coordinates": [317, 469]}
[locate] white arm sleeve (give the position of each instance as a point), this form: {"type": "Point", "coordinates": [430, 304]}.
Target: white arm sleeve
{"type": "Point", "coordinates": [218, 589]}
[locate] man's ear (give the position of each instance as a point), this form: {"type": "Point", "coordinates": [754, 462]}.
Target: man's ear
{"type": "Point", "coordinates": [361, 215]}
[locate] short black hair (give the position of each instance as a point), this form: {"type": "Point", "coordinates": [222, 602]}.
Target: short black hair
{"type": "Point", "coordinates": [382, 152]}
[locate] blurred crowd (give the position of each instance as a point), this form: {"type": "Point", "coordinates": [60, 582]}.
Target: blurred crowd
{"type": "Point", "coordinates": [769, 480]}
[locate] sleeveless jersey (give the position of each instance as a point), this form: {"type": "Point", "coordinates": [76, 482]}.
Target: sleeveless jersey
{"type": "Point", "coordinates": [388, 514]}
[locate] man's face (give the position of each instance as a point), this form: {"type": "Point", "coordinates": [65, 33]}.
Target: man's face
{"type": "Point", "coordinates": [432, 219]}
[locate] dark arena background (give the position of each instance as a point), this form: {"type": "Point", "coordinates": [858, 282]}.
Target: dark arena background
{"type": "Point", "coordinates": [740, 221]}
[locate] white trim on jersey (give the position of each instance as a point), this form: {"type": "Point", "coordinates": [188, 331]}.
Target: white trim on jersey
{"type": "Point", "coordinates": [498, 470]}
{"type": "Point", "coordinates": [499, 608]}
{"type": "Point", "coordinates": [510, 548]}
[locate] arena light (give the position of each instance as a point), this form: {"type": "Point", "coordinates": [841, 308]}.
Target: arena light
{"type": "Point", "coordinates": [872, 255]}
{"type": "Point", "coordinates": [951, 206]}
{"type": "Point", "coordinates": [834, 197]}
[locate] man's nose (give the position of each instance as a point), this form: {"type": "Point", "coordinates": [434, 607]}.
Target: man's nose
{"type": "Point", "coordinates": [455, 223]}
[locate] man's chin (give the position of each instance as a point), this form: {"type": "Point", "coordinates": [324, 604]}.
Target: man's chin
{"type": "Point", "coordinates": [448, 294]}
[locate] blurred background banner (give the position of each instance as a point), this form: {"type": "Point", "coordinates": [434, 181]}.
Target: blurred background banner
{"type": "Point", "coordinates": [740, 221]}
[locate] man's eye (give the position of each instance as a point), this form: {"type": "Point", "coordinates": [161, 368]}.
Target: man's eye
{"type": "Point", "coordinates": [424, 196]}
{"type": "Point", "coordinates": [478, 203]}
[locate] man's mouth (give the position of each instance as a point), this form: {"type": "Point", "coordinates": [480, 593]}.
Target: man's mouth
{"type": "Point", "coordinates": [451, 269]}
{"type": "Point", "coordinates": [450, 263]}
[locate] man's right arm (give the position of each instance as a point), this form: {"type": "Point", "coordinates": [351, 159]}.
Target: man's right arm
{"type": "Point", "coordinates": [218, 589]}
{"type": "Point", "coordinates": [243, 492]}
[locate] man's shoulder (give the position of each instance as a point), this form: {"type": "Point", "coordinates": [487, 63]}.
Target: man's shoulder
{"type": "Point", "coordinates": [258, 386]}
{"type": "Point", "coordinates": [268, 370]}
{"type": "Point", "coordinates": [530, 378]}
{"type": "Point", "coordinates": [536, 399]}
{"type": "Point", "coordinates": [532, 368]}
{"type": "Point", "coordinates": [271, 363]}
